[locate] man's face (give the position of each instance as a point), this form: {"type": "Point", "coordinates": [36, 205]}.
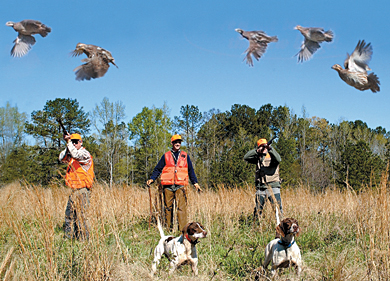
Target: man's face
{"type": "Point", "coordinates": [262, 149]}
{"type": "Point", "coordinates": [77, 143]}
{"type": "Point", "coordinates": [176, 145]}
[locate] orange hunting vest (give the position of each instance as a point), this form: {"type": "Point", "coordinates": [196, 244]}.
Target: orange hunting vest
{"type": "Point", "coordinates": [175, 174]}
{"type": "Point", "coordinates": [76, 177]}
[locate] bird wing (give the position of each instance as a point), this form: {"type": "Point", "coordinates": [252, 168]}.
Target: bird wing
{"type": "Point", "coordinates": [94, 67]}
{"type": "Point", "coordinates": [358, 60]}
{"type": "Point", "coordinates": [256, 49]}
{"type": "Point", "coordinates": [308, 48]}
{"type": "Point", "coordinates": [31, 26]}
{"type": "Point", "coordinates": [76, 52]}
{"type": "Point", "coordinates": [23, 44]}
{"type": "Point", "coordinates": [85, 71]}
{"type": "Point", "coordinates": [317, 34]}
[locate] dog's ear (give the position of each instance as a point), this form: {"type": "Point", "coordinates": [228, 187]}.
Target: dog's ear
{"type": "Point", "coordinates": [280, 230]}
{"type": "Point", "coordinates": [185, 229]}
{"type": "Point", "coordinates": [298, 232]}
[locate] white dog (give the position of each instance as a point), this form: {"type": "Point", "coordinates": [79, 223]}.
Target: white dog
{"type": "Point", "coordinates": [284, 252]}
{"type": "Point", "coordinates": [179, 250]}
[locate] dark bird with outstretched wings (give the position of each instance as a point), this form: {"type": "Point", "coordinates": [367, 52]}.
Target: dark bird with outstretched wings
{"type": "Point", "coordinates": [258, 42]}
{"type": "Point", "coordinates": [25, 40]}
{"type": "Point", "coordinates": [313, 37]}
{"type": "Point", "coordinates": [96, 64]}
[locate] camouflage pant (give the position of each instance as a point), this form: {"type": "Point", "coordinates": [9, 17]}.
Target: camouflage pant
{"type": "Point", "coordinates": [76, 221]}
{"type": "Point", "coordinates": [261, 197]}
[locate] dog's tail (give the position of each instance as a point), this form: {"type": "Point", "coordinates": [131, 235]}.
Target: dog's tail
{"type": "Point", "coordinates": [160, 227]}
{"type": "Point", "coordinates": [277, 216]}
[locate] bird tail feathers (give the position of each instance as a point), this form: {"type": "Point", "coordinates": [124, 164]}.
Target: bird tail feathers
{"type": "Point", "coordinates": [374, 82]}
{"type": "Point", "coordinates": [329, 36]}
{"type": "Point", "coordinates": [45, 30]}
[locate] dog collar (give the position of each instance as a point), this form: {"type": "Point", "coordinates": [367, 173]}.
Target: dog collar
{"type": "Point", "coordinates": [192, 242]}
{"type": "Point", "coordinates": [285, 244]}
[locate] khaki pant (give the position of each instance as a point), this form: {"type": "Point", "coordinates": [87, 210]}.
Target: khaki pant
{"type": "Point", "coordinates": [181, 202]}
{"type": "Point", "coordinates": [76, 221]}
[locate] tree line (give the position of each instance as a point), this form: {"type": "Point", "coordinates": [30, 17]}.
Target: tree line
{"type": "Point", "coordinates": [314, 152]}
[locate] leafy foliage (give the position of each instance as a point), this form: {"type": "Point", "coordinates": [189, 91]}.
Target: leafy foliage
{"type": "Point", "coordinates": [313, 151]}
{"type": "Point", "coordinates": [358, 166]}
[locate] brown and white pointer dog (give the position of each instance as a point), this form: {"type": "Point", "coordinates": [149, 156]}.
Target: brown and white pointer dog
{"type": "Point", "coordinates": [284, 252]}
{"type": "Point", "coordinates": [179, 250]}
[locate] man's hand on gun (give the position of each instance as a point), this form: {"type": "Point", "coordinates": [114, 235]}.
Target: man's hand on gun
{"type": "Point", "coordinates": [149, 182]}
{"type": "Point", "coordinates": [67, 137]}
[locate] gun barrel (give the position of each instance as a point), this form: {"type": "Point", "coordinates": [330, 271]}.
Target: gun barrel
{"type": "Point", "coordinates": [62, 126]}
{"type": "Point", "coordinates": [271, 140]}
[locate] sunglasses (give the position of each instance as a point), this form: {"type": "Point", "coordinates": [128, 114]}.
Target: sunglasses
{"type": "Point", "coordinates": [75, 141]}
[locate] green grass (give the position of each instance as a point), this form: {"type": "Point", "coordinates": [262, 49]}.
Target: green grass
{"type": "Point", "coordinates": [344, 235]}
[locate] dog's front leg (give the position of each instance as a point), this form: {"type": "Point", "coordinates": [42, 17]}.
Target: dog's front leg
{"type": "Point", "coordinates": [194, 266]}
{"type": "Point", "coordinates": [173, 264]}
{"type": "Point", "coordinates": [158, 252]}
{"type": "Point", "coordinates": [273, 271]}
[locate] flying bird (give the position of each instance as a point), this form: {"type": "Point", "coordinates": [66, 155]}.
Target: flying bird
{"type": "Point", "coordinates": [356, 67]}
{"type": "Point", "coordinates": [258, 42]}
{"type": "Point", "coordinates": [313, 37]}
{"type": "Point", "coordinates": [96, 63]}
{"type": "Point", "coordinates": [25, 40]}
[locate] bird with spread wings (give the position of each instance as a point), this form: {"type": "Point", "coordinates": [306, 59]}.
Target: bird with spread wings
{"type": "Point", "coordinates": [258, 42]}
{"type": "Point", "coordinates": [25, 29]}
{"type": "Point", "coordinates": [356, 67]}
{"type": "Point", "coordinates": [96, 64]}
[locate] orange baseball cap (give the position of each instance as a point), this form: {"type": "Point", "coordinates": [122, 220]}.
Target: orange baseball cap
{"type": "Point", "coordinates": [75, 137]}
{"type": "Point", "coordinates": [261, 141]}
{"type": "Point", "coordinates": [176, 137]}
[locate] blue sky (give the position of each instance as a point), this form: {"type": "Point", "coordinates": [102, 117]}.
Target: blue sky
{"type": "Point", "coordinates": [187, 52]}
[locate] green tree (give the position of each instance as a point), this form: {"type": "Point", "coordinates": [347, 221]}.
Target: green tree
{"type": "Point", "coordinates": [359, 166]}
{"type": "Point", "coordinates": [209, 143]}
{"type": "Point", "coordinates": [150, 131]}
{"type": "Point", "coordinates": [189, 122]}
{"type": "Point", "coordinates": [112, 135]}
{"type": "Point", "coordinates": [11, 129]}
{"type": "Point", "coordinates": [46, 130]}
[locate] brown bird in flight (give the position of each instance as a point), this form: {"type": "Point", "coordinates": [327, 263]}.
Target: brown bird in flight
{"type": "Point", "coordinates": [313, 37]}
{"type": "Point", "coordinates": [97, 63]}
{"type": "Point", "coordinates": [258, 42]}
{"type": "Point", "coordinates": [356, 67]}
{"type": "Point", "coordinates": [25, 40]}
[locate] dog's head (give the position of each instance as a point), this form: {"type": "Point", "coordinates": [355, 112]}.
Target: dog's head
{"type": "Point", "coordinates": [194, 230]}
{"type": "Point", "coordinates": [288, 226]}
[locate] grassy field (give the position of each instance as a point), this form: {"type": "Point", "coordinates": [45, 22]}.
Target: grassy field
{"type": "Point", "coordinates": [345, 236]}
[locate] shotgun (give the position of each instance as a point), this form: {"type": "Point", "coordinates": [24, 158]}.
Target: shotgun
{"type": "Point", "coordinates": [62, 126]}
{"type": "Point", "coordinates": [271, 140]}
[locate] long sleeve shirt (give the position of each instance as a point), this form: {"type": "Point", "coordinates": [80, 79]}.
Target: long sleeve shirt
{"type": "Point", "coordinates": [161, 164]}
{"type": "Point", "coordinates": [81, 155]}
{"type": "Point", "coordinates": [253, 157]}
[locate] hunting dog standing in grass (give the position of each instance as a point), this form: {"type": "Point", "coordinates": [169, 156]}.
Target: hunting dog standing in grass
{"type": "Point", "coordinates": [284, 252]}
{"type": "Point", "coordinates": [179, 250]}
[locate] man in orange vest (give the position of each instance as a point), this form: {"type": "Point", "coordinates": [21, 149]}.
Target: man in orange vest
{"type": "Point", "coordinates": [175, 167]}
{"type": "Point", "coordinates": [79, 177]}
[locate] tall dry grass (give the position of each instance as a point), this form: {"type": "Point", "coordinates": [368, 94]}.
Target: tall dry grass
{"type": "Point", "coordinates": [345, 235]}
